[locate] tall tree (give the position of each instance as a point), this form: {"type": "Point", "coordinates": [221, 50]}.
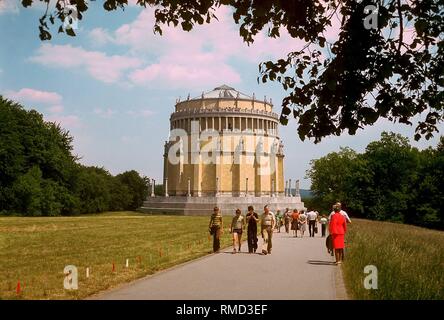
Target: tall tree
{"type": "Point", "coordinates": [372, 71]}
{"type": "Point", "coordinates": [137, 187]}
{"type": "Point", "coordinates": [39, 175]}
{"type": "Point", "coordinates": [391, 180]}
{"type": "Point", "coordinates": [329, 176]}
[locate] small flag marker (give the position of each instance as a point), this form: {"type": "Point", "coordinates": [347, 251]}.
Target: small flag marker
{"type": "Point", "coordinates": [18, 290]}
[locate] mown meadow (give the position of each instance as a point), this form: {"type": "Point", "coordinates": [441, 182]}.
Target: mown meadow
{"type": "Point", "coordinates": [35, 250]}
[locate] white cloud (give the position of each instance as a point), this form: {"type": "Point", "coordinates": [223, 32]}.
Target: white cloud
{"type": "Point", "coordinates": [65, 121]}
{"type": "Point", "coordinates": [145, 113]}
{"type": "Point", "coordinates": [52, 102]}
{"type": "Point", "coordinates": [100, 66]}
{"type": "Point", "coordinates": [99, 37]}
{"type": "Point", "coordinates": [34, 96]}
{"type": "Point", "coordinates": [194, 60]}
{"type": "Point", "coordinates": [56, 109]}
{"type": "Point", "coordinates": [105, 113]}
{"type": "Point", "coordinates": [8, 6]}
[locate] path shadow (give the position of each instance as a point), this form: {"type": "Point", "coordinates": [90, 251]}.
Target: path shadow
{"type": "Point", "coordinates": [321, 263]}
{"type": "Point", "coordinates": [242, 252]}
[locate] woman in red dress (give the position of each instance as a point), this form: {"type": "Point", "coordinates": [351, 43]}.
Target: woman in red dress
{"type": "Point", "coordinates": [338, 228]}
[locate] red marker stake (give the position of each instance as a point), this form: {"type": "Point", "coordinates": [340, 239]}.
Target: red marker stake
{"type": "Point", "coordinates": [18, 289]}
{"type": "Point", "coordinates": [114, 267]}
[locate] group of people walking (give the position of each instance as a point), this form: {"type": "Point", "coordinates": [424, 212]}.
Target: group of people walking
{"type": "Point", "coordinates": [267, 222]}
{"type": "Point", "coordinates": [292, 220]}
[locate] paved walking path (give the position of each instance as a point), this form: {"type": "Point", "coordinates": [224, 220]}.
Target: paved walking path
{"type": "Point", "coordinates": [296, 269]}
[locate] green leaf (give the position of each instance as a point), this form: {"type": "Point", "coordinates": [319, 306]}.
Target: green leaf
{"type": "Point", "coordinates": [70, 32]}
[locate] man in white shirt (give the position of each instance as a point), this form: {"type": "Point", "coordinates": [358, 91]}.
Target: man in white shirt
{"type": "Point", "coordinates": [311, 216]}
{"type": "Point", "coordinates": [268, 222]}
{"type": "Point", "coordinates": [338, 204]}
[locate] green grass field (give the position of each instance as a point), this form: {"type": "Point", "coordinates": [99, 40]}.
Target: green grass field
{"type": "Point", "coordinates": [410, 261]}
{"type": "Point", "coordinates": [36, 250]}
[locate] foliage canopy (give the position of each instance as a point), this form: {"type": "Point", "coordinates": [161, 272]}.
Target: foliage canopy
{"type": "Point", "coordinates": [394, 70]}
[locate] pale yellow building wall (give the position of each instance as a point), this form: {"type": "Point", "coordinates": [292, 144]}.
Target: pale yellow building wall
{"type": "Point", "coordinates": [232, 177]}
{"type": "Point", "coordinates": [208, 180]}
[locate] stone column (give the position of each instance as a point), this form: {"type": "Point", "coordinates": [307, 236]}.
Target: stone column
{"type": "Point", "coordinates": [289, 191]}
{"type": "Point", "coordinates": [189, 187]}
{"type": "Point", "coordinates": [166, 187]}
{"type": "Point", "coordinates": [153, 185]}
{"type": "Point", "coordinates": [286, 188]}
{"type": "Point", "coordinates": [297, 191]}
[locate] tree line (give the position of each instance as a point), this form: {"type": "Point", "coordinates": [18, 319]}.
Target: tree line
{"type": "Point", "coordinates": [391, 181]}
{"type": "Point", "coordinates": [40, 175]}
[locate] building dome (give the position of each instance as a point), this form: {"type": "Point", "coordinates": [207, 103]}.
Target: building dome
{"type": "Point", "coordinates": [224, 97]}
{"type": "Point", "coordinates": [224, 92]}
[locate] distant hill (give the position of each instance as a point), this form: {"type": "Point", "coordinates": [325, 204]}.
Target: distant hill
{"type": "Point", "coordinates": [305, 193]}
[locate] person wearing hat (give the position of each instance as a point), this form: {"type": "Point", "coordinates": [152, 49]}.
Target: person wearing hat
{"type": "Point", "coordinates": [236, 228]}
{"type": "Point", "coordinates": [252, 220]}
{"type": "Point", "coordinates": [216, 228]}
{"type": "Point", "coordinates": [338, 228]}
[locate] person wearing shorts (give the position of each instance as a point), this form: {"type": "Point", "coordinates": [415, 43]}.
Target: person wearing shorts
{"type": "Point", "coordinates": [237, 226]}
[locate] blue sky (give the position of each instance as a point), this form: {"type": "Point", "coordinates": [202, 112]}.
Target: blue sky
{"type": "Point", "coordinates": [115, 84]}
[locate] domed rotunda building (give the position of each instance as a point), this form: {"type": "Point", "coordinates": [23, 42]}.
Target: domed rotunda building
{"type": "Point", "coordinates": [223, 150]}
